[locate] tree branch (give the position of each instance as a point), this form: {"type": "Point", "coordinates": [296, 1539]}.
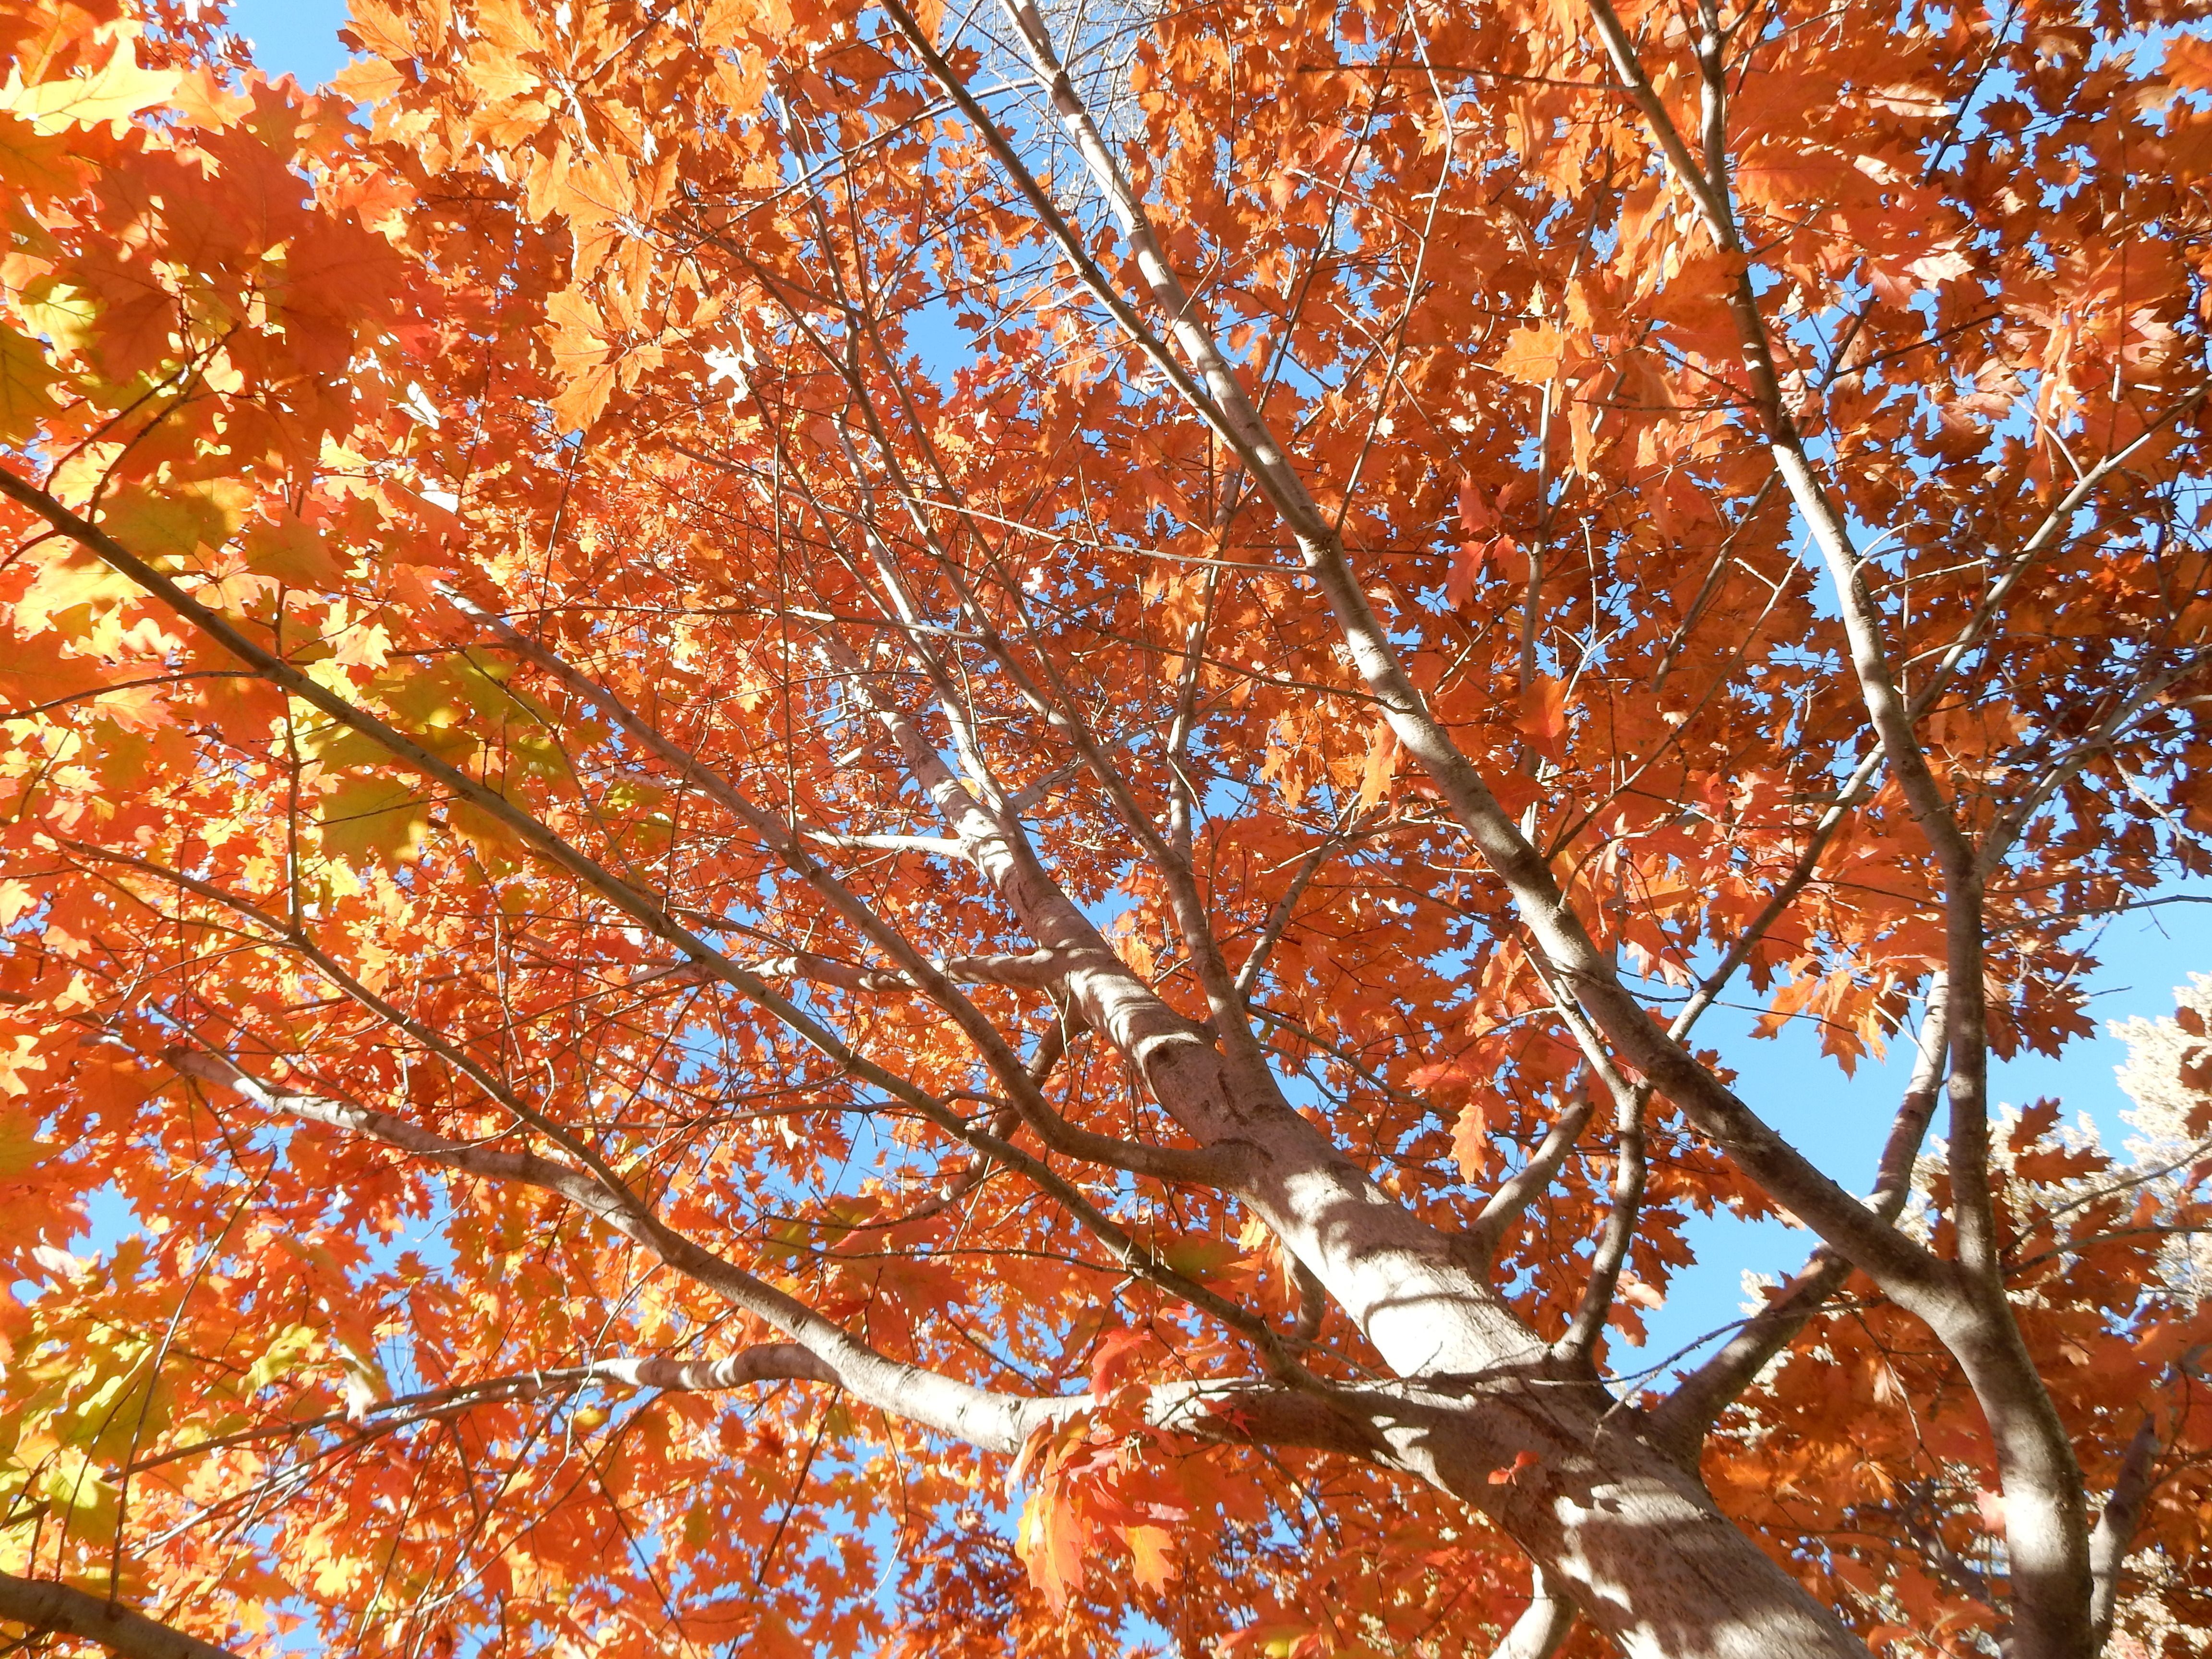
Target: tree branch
{"type": "Point", "coordinates": [1036, 970]}
{"type": "Point", "coordinates": [2122, 1516]}
{"type": "Point", "coordinates": [763, 1362]}
{"type": "Point", "coordinates": [1164, 1163]}
{"type": "Point", "coordinates": [42, 1605]}
{"type": "Point", "coordinates": [1489, 1227]}
{"type": "Point", "coordinates": [2115, 1532]}
{"type": "Point", "coordinates": [1143, 1263]}
{"type": "Point", "coordinates": [1279, 916]}
{"type": "Point", "coordinates": [1901, 1262]}
{"type": "Point", "coordinates": [994, 1421]}
{"type": "Point", "coordinates": [1542, 1625]}
{"type": "Point", "coordinates": [981, 836]}
{"type": "Point", "coordinates": [2046, 1522]}
{"type": "Point", "coordinates": [1631, 1168]}
{"type": "Point", "coordinates": [1681, 1422]}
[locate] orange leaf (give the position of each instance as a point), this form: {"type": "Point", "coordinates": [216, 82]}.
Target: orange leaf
{"type": "Point", "coordinates": [1538, 354]}
{"type": "Point", "coordinates": [1152, 1558]}
{"type": "Point", "coordinates": [1543, 718]}
{"type": "Point", "coordinates": [1523, 1461]}
{"type": "Point", "coordinates": [1382, 765]}
{"type": "Point", "coordinates": [1051, 1541]}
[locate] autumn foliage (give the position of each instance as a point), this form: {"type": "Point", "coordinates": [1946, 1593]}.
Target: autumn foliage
{"type": "Point", "coordinates": [832, 829]}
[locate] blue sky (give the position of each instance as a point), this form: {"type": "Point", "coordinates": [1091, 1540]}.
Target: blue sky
{"type": "Point", "coordinates": [1839, 1123]}
{"type": "Point", "coordinates": [297, 38]}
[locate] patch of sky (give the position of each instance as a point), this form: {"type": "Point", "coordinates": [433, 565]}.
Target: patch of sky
{"type": "Point", "coordinates": [109, 1219]}
{"type": "Point", "coordinates": [1840, 1120]}
{"type": "Point", "coordinates": [298, 38]}
{"type": "Point", "coordinates": [419, 1245]}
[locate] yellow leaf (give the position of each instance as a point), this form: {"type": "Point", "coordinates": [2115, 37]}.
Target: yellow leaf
{"type": "Point", "coordinates": [63, 314]}
{"type": "Point", "coordinates": [64, 584]}
{"type": "Point", "coordinates": [171, 524]}
{"type": "Point", "coordinates": [115, 92]}
{"type": "Point", "coordinates": [380, 30]}
{"type": "Point", "coordinates": [280, 1359]}
{"type": "Point", "coordinates": [77, 1492]}
{"type": "Point", "coordinates": [293, 550]}
{"type": "Point", "coordinates": [374, 818]}
{"type": "Point", "coordinates": [24, 378]}
{"type": "Point", "coordinates": [1150, 1556]}
{"type": "Point", "coordinates": [362, 646]}
{"type": "Point", "coordinates": [21, 1151]}
{"type": "Point", "coordinates": [577, 407]}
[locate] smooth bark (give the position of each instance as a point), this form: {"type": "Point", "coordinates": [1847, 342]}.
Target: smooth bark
{"type": "Point", "coordinates": [42, 1606]}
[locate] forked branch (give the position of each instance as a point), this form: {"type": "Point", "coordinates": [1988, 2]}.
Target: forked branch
{"type": "Point", "coordinates": [1681, 1422]}
{"type": "Point", "coordinates": [1560, 933]}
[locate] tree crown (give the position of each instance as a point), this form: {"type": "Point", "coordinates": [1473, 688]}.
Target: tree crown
{"type": "Point", "coordinates": [853, 826]}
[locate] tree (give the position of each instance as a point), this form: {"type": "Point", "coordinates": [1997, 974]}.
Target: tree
{"type": "Point", "coordinates": [839, 827]}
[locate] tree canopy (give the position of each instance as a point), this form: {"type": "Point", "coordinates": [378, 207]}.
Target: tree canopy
{"type": "Point", "coordinates": [841, 829]}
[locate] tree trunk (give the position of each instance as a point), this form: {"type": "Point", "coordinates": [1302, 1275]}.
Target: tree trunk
{"type": "Point", "coordinates": [1486, 1411]}
{"type": "Point", "coordinates": [1617, 1528]}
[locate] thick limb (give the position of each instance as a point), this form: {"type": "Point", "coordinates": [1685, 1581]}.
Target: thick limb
{"type": "Point", "coordinates": [41, 1605]}
{"type": "Point", "coordinates": [1542, 1625]}
{"type": "Point", "coordinates": [2046, 1525]}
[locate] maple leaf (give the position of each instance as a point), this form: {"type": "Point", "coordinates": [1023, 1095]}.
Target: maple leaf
{"type": "Point", "coordinates": [1471, 1148]}
{"type": "Point", "coordinates": [21, 1151]}
{"type": "Point", "coordinates": [580, 354]}
{"type": "Point", "coordinates": [1467, 560]}
{"type": "Point", "coordinates": [1511, 1474]}
{"type": "Point", "coordinates": [1151, 1556]}
{"type": "Point", "coordinates": [39, 165]}
{"type": "Point", "coordinates": [294, 550]}
{"type": "Point", "coordinates": [1544, 713]}
{"type": "Point", "coordinates": [1382, 765]}
{"type": "Point", "coordinates": [1539, 355]}
{"type": "Point", "coordinates": [115, 91]}
{"type": "Point", "coordinates": [25, 383]}
{"type": "Point", "coordinates": [1052, 1539]}
{"type": "Point", "coordinates": [372, 817]}
{"type": "Point", "coordinates": [1115, 1359]}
